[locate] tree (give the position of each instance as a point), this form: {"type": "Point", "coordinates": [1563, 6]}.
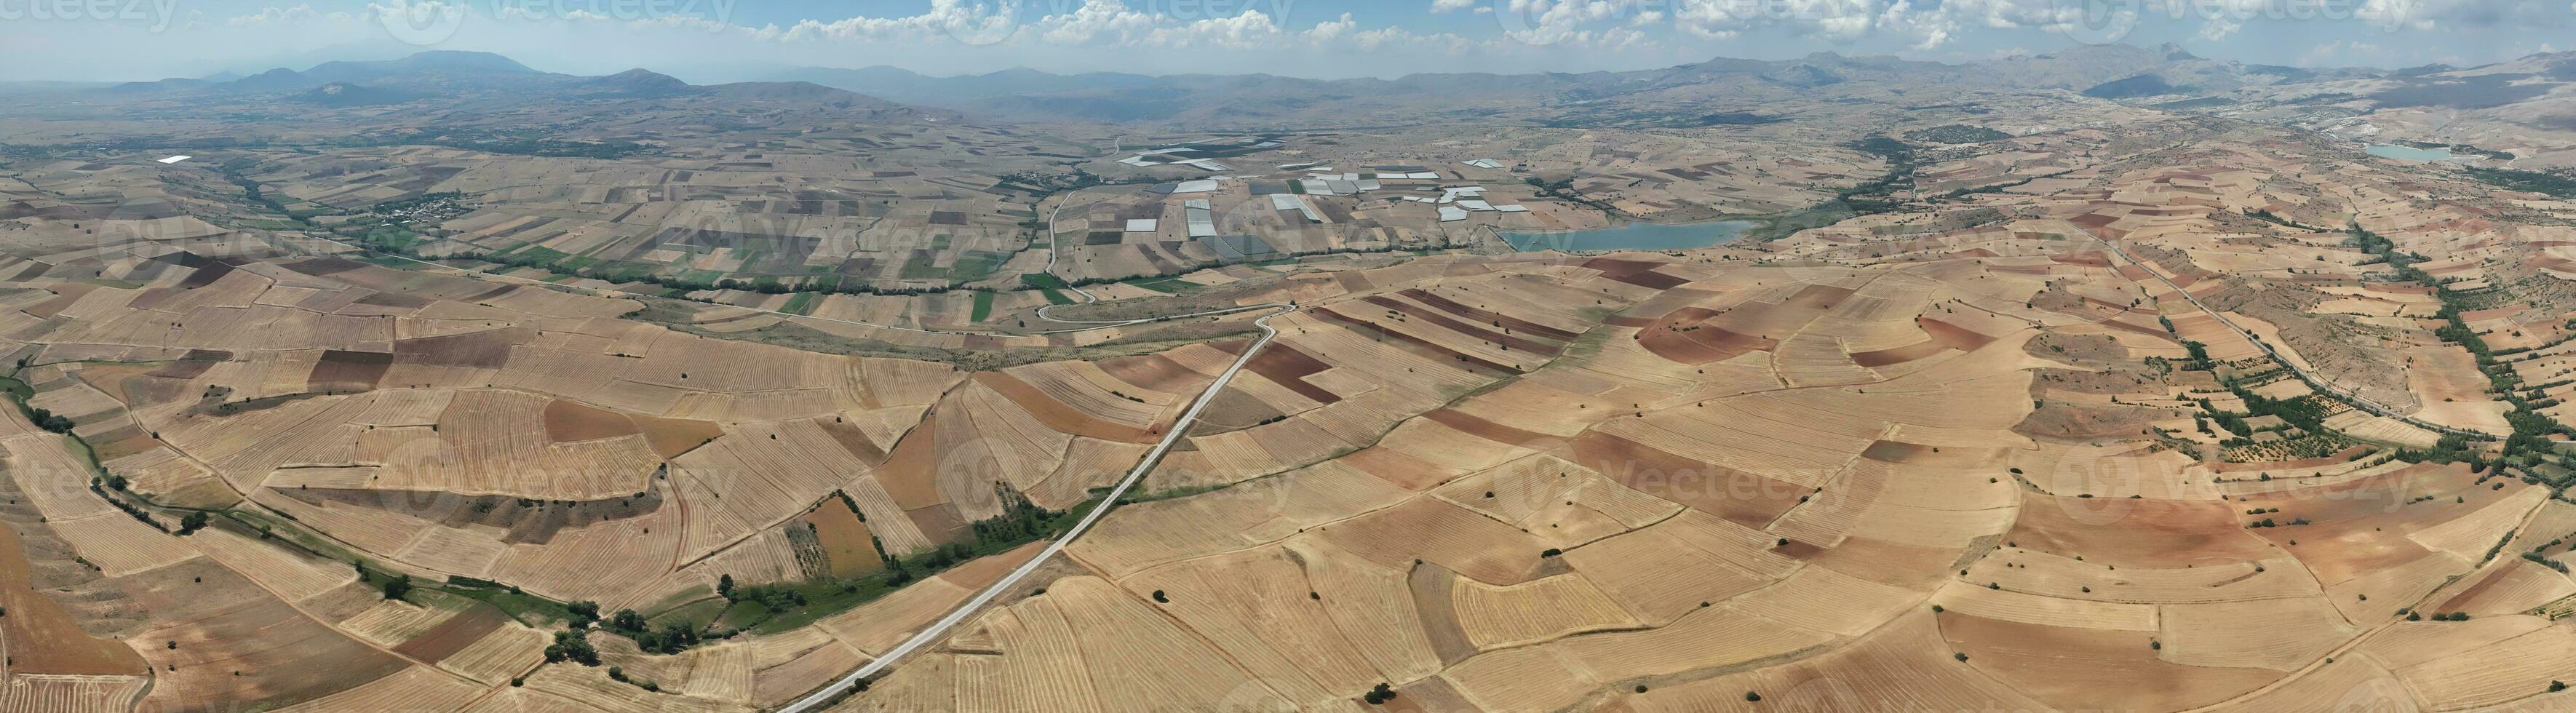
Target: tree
{"type": "Point", "coordinates": [677, 636]}
{"type": "Point", "coordinates": [1379, 695]}
{"type": "Point", "coordinates": [397, 586]}
{"type": "Point", "coordinates": [724, 586]}
{"type": "Point", "coordinates": [572, 645]}
{"type": "Point", "coordinates": [190, 523]}
{"type": "Point", "coordinates": [627, 620]}
{"type": "Point", "coordinates": [583, 614]}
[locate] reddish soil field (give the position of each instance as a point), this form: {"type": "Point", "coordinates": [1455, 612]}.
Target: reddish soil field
{"type": "Point", "coordinates": [1056, 415]}
{"type": "Point", "coordinates": [1799, 550]}
{"type": "Point", "coordinates": [1430, 584]}
{"type": "Point", "coordinates": [1403, 470]}
{"type": "Point", "coordinates": [2091, 668]}
{"type": "Point", "coordinates": [2361, 526]}
{"type": "Point", "coordinates": [454, 635]}
{"type": "Point", "coordinates": [1898, 355]}
{"type": "Point", "coordinates": [192, 366]}
{"type": "Point", "coordinates": [394, 299]}
{"type": "Point", "coordinates": [1233, 410]}
{"type": "Point", "coordinates": [1953, 336]}
{"type": "Point", "coordinates": [1284, 365]}
{"type": "Point", "coordinates": [1487, 316]}
{"type": "Point", "coordinates": [1495, 432]}
{"type": "Point", "coordinates": [487, 350]}
{"type": "Point", "coordinates": [2141, 532]}
{"type": "Point", "coordinates": [671, 437]}
{"type": "Point", "coordinates": [1818, 296]}
{"type": "Point", "coordinates": [345, 371]}
{"type": "Point", "coordinates": [281, 656]}
{"type": "Point", "coordinates": [204, 276]}
{"type": "Point", "coordinates": [1155, 372]}
{"type": "Point", "coordinates": [568, 421]}
{"type": "Point", "coordinates": [1635, 272]}
{"type": "Point", "coordinates": [1484, 333]}
{"type": "Point", "coordinates": [111, 378]}
{"type": "Point", "coordinates": [844, 539]}
{"type": "Point", "coordinates": [64, 296]}
{"type": "Point", "coordinates": [941, 523]}
{"type": "Point", "coordinates": [1895, 451]}
{"type": "Point", "coordinates": [850, 438]}
{"type": "Point", "coordinates": [909, 473]}
{"type": "Point", "coordinates": [1684, 336]}
{"type": "Point", "coordinates": [125, 445]}
{"type": "Point", "coordinates": [2157, 332]}
{"type": "Point", "coordinates": [1415, 343]}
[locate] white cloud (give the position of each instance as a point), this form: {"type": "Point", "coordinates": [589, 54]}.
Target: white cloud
{"type": "Point", "coordinates": [1441, 6]}
{"type": "Point", "coordinates": [1331, 30]}
{"type": "Point", "coordinates": [2430, 14]}
{"type": "Point", "coordinates": [1096, 21]}
{"type": "Point", "coordinates": [2218, 28]}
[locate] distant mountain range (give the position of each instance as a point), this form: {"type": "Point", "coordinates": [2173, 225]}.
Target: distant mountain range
{"type": "Point", "coordinates": [2107, 71]}
{"type": "Point", "coordinates": [484, 79]}
{"type": "Point", "coordinates": [2536, 93]}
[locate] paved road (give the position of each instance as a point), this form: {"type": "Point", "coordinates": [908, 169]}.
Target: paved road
{"type": "Point", "coordinates": [937, 629]}
{"type": "Point", "coordinates": [2313, 381]}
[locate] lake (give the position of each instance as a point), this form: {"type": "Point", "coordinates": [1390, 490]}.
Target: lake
{"type": "Point", "coordinates": [1633, 236]}
{"type": "Point", "coordinates": [2409, 153]}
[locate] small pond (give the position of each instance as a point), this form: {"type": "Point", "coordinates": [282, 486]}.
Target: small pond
{"type": "Point", "coordinates": [1632, 236]}
{"type": "Point", "coordinates": [2409, 153]}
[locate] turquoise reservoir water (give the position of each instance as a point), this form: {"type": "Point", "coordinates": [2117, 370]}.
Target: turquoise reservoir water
{"type": "Point", "coordinates": [2409, 153]}
{"type": "Point", "coordinates": [1633, 236]}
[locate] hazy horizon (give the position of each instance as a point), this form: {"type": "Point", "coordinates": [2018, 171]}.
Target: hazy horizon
{"type": "Point", "coordinates": [144, 40]}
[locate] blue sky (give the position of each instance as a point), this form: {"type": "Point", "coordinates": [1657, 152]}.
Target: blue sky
{"type": "Point", "coordinates": [705, 40]}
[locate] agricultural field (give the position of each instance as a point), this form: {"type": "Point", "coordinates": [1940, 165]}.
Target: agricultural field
{"type": "Point", "coordinates": [779, 397]}
{"type": "Point", "coordinates": [2050, 449]}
